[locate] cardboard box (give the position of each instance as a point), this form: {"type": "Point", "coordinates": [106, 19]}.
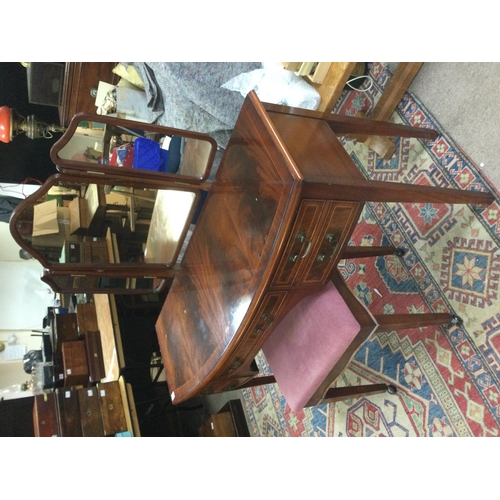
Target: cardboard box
{"type": "Point", "coordinates": [43, 227]}
{"type": "Point", "coordinates": [78, 216]}
{"type": "Point", "coordinates": [45, 218]}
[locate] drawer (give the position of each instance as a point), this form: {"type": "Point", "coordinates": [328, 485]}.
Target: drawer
{"type": "Point", "coordinates": [261, 322]}
{"type": "Point", "coordinates": [301, 240]}
{"type": "Point", "coordinates": [320, 231]}
{"type": "Point", "coordinates": [332, 237]}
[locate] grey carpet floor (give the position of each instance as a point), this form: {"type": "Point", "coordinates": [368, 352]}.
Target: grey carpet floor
{"type": "Point", "coordinates": [464, 99]}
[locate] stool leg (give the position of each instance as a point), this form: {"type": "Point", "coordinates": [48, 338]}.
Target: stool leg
{"type": "Point", "coordinates": [343, 393]}
{"type": "Point", "coordinates": [355, 252]}
{"type": "Point", "coordinates": [388, 322]}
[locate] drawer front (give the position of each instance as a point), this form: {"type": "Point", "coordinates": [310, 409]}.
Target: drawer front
{"type": "Point", "coordinates": [331, 238]}
{"type": "Point", "coordinates": [257, 330]}
{"type": "Point", "coordinates": [302, 238]}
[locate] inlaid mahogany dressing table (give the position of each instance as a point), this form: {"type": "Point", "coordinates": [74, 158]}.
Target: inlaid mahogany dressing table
{"type": "Point", "coordinates": [276, 221]}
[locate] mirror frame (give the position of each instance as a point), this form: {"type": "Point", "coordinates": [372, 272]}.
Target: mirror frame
{"type": "Point", "coordinates": [64, 165]}
{"type": "Point", "coordinates": [128, 270]}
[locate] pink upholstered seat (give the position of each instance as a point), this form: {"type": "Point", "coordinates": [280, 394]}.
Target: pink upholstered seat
{"type": "Point", "coordinates": [308, 342]}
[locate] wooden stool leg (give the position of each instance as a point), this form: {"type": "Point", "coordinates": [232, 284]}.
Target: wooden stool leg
{"type": "Point", "coordinates": [388, 322]}
{"type": "Point", "coordinates": [256, 381]}
{"type": "Point", "coordinates": [343, 393]}
{"type": "Point", "coordinates": [355, 252]}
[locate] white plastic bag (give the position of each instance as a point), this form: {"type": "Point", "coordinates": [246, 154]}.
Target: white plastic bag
{"type": "Point", "coordinates": [276, 85]}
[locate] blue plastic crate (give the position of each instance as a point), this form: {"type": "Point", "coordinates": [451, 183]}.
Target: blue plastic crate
{"type": "Point", "coordinates": [149, 156]}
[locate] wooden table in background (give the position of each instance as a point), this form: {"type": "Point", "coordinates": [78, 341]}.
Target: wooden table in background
{"type": "Point", "coordinates": [112, 349]}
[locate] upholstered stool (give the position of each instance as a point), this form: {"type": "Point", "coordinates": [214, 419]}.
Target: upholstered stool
{"type": "Point", "coordinates": [312, 345]}
{"type": "Point", "coordinates": [308, 342]}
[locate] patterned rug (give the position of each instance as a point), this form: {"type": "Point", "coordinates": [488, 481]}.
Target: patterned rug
{"type": "Point", "coordinates": [448, 379]}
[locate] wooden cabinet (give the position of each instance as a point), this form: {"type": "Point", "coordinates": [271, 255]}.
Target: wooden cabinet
{"type": "Point", "coordinates": [81, 80]}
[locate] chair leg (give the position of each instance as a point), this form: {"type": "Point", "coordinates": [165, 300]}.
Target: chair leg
{"type": "Point", "coordinates": [256, 381]}
{"type": "Point", "coordinates": [343, 393]}
{"type": "Point", "coordinates": [355, 252]}
{"type": "Point", "coordinates": [405, 321]}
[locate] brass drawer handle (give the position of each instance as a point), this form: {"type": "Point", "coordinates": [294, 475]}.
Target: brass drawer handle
{"type": "Point", "coordinates": [330, 238]}
{"type": "Point", "coordinates": [321, 256]}
{"type": "Point", "coordinates": [293, 258]}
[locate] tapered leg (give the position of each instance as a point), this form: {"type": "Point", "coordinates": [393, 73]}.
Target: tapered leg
{"type": "Point", "coordinates": [354, 252]}
{"type": "Point", "coordinates": [380, 191]}
{"type": "Point", "coordinates": [404, 321]}
{"type": "Point", "coordinates": [342, 125]}
{"type": "Point", "coordinates": [342, 393]}
{"type": "Point", "coordinates": [256, 381]}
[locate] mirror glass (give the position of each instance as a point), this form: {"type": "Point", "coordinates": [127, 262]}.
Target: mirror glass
{"type": "Point", "coordinates": [94, 223]}
{"type": "Point", "coordinates": [134, 146]}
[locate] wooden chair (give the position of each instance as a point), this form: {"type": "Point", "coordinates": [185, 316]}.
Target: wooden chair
{"type": "Point", "coordinates": [311, 347]}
